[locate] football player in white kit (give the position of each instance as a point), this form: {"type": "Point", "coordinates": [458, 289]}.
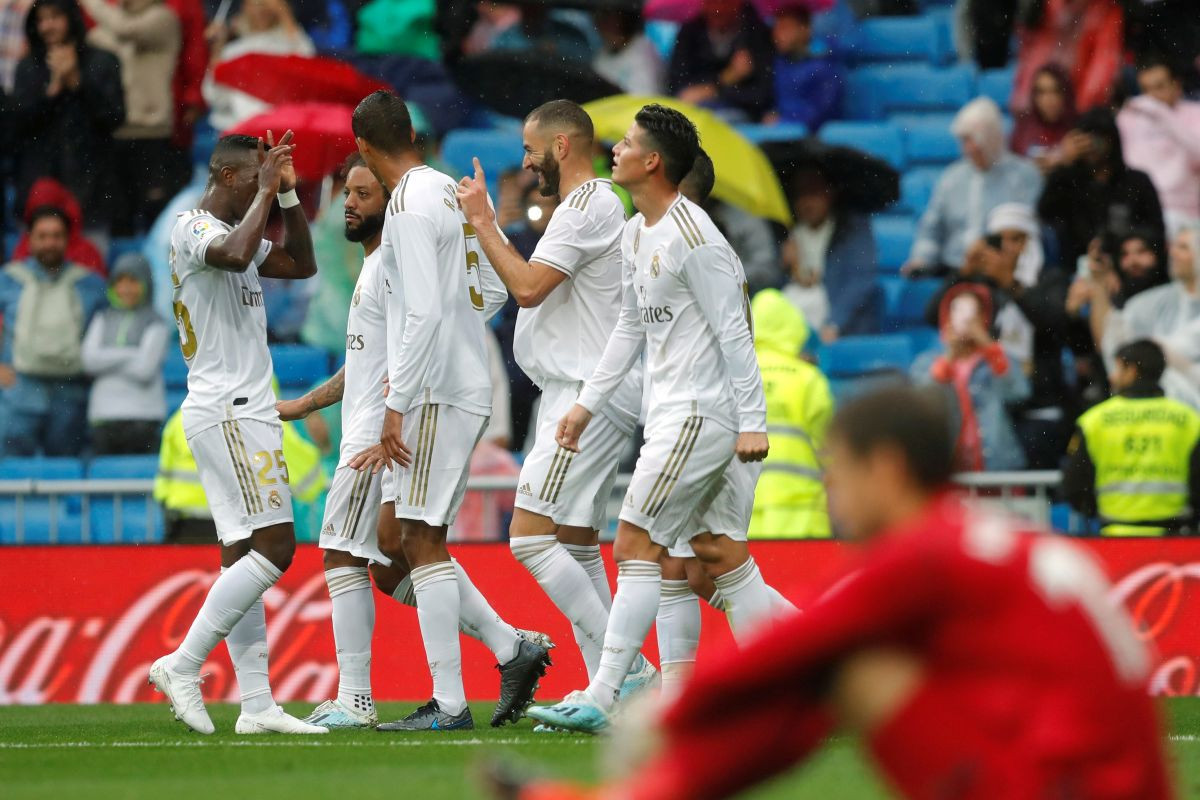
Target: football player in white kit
{"type": "Point", "coordinates": [440, 391]}
{"type": "Point", "coordinates": [685, 304]}
{"type": "Point", "coordinates": [570, 295]}
{"type": "Point", "coordinates": [349, 535]}
{"type": "Point", "coordinates": [217, 255]}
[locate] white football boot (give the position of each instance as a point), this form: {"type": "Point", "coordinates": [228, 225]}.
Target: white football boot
{"type": "Point", "coordinates": [183, 693]}
{"type": "Point", "coordinates": [274, 720]}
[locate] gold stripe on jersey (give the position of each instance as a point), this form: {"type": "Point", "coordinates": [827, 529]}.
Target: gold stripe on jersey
{"type": "Point", "coordinates": [429, 459]}
{"type": "Point", "coordinates": [687, 215]}
{"type": "Point", "coordinates": [239, 468]}
{"type": "Point", "coordinates": [670, 486]}
{"type": "Point", "coordinates": [255, 496]}
{"type": "Point", "coordinates": [680, 443]}
{"type": "Point", "coordinates": [583, 194]}
{"type": "Point", "coordinates": [687, 226]}
{"type": "Point", "coordinates": [418, 457]}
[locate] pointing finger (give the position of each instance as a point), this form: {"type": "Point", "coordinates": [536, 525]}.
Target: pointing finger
{"type": "Point", "coordinates": [478, 168]}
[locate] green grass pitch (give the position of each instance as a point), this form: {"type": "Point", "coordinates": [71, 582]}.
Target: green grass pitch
{"type": "Point", "coordinates": [138, 751]}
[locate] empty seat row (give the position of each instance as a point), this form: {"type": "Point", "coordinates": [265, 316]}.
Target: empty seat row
{"type": "Point", "coordinates": [878, 91]}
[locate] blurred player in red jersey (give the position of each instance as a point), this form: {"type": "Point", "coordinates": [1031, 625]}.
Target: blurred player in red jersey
{"type": "Point", "coordinates": [976, 658]}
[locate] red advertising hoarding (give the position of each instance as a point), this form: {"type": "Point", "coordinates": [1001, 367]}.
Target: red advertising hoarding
{"type": "Point", "coordinates": [83, 624]}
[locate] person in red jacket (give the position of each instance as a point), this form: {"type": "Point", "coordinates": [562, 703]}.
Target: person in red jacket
{"type": "Point", "coordinates": [189, 75]}
{"type": "Point", "coordinates": [976, 657]}
{"type": "Point", "coordinates": [49, 192]}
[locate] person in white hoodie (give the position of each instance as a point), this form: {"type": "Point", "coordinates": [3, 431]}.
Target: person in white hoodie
{"type": "Point", "coordinates": [123, 351]}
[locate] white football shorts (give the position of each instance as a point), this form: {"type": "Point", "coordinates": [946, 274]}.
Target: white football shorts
{"type": "Point", "coordinates": [570, 488]}
{"type": "Point", "coordinates": [351, 522]}
{"type": "Point", "coordinates": [677, 476]}
{"type": "Point", "coordinates": [441, 438]}
{"type": "Point", "coordinates": [728, 513]}
{"type": "Point", "coordinates": [244, 475]}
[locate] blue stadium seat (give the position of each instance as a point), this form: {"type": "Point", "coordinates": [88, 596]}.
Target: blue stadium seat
{"type": "Point", "coordinates": [134, 509]}
{"type": "Point", "coordinates": [904, 302]}
{"type": "Point", "coordinates": [845, 389]}
{"type": "Point", "coordinates": [175, 369]}
{"type": "Point", "coordinates": [893, 238]}
{"type": "Point", "coordinates": [874, 92]}
{"type": "Point", "coordinates": [877, 138]}
{"type": "Point", "coordinates": [36, 510]}
{"type": "Point", "coordinates": [498, 151]}
{"type": "Point", "coordinates": [118, 247]}
{"type": "Point", "coordinates": [299, 364]}
{"type": "Point", "coordinates": [891, 287]}
{"type": "Point", "coordinates": [852, 356]}
{"type": "Point", "coordinates": [923, 339]}
{"type": "Point", "coordinates": [998, 84]}
{"type": "Point", "coordinates": [781, 132]}
{"type": "Point", "coordinates": [916, 187]}
{"type": "Point", "coordinates": [927, 141]}
{"type": "Point", "coordinates": [894, 39]}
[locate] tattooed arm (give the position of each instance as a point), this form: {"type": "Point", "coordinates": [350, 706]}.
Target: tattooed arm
{"type": "Point", "coordinates": [323, 396]}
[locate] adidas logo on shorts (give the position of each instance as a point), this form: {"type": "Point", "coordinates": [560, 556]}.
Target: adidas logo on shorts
{"type": "Point", "coordinates": [525, 490]}
{"type": "Point", "coordinates": [327, 530]}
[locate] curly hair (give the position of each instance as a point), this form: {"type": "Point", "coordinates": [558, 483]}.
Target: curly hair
{"type": "Point", "coordinates": [673, 136]}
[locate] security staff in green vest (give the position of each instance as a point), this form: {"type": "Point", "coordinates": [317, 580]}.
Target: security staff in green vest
{"type": "Point", "coordinates": [1134, 462]}
{"type": "Point", "coordinates": [790, 500]}
{"type": "Point", "coordinates": [185, 507]}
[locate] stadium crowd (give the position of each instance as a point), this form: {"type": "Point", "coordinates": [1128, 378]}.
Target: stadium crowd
{"type": "Point", "coordinates": [1055, 252]}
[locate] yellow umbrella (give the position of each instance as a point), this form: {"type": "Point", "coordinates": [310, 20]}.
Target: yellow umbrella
{"type": "Point", "coordinates": [745, 178]}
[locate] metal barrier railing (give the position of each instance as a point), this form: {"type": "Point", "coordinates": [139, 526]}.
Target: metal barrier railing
{"type": "Point", "coordinates": [51, 504]}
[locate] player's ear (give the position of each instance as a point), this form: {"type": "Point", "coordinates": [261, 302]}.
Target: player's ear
{"type": "Point", "coordinates": [653, 161]}
{"type": "Point", "coordinates": [363, 147]}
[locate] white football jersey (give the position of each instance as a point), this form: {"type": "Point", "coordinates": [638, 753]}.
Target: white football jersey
{"type": "Point", "coordinates": [686, 302]}
{"type": "Point", "coordinates": [563, 338]}
{"type": "Point", "coordinates": [366, 360]}
{"type": "Point", "coordinates": [443, 287]}
{"type": "Point", "coordinates": [222, 329]}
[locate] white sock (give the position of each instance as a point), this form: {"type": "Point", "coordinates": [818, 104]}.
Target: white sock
{"type": "Point", "coordinates": [717, 601]}
{"type": "Point", "coordinates": [633, 611]}
{"type": "Point", "coordinates": [479, 620]}
{"type": "Point", "coordinates": [436, 587]}
{"type": "Point", "coordinates": [588, 556]}
{"type": "Point", "coordinates": [231, 596]}
{"type": "Point", "coordinates": [747, 602]}
{"type": "Point", "coordinates": [404, 593]}
{"type": "Point", "coordinates": [247, 645]}
{"type": "Point", "coordinates": [353, 624]}
{"type": "Point", "coordinates": [563, 579]}
{"type": "Point", "coordinates": [678, 628]}
{"type": "Point", "coordinates": [779, 603]}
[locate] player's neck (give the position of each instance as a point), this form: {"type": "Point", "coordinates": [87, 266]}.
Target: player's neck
{"type": "Point", "coordinates": [575, 176]}
{"type": "Point", "coordinates": [391, 170]}
{"type": "Point", "coordinates": [372, 244]}
{"type": "Point", "coordinates": [213, 203]}
{"type": "Point", "coordinates": [906, 507]}
{"type": "Point", "coordinates": [653, 200]}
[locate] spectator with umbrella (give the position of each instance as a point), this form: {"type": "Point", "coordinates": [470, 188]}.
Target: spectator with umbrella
{"type": "Point", "coordinates": [830, 253]}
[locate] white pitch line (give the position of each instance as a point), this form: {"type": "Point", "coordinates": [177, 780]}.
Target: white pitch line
{"type": "Point", "coordinates": [276, 743]}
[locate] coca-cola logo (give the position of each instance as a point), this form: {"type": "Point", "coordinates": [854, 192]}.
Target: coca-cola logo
{"type": "Point", "coordinates": [40, 662]}
{"type": "Point", "coordinates": [1156, 596]}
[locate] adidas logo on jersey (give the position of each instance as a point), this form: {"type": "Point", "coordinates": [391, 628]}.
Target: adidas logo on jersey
{"type": "Point", "coordinates": [525, 490]}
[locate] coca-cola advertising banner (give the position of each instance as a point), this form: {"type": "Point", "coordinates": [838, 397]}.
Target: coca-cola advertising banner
{"type": "Point", "coordinates": [83, 624]}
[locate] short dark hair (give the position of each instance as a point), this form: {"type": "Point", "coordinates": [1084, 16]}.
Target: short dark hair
{"type": "Point", "coordinates": [564, 115]}
{"type": "Point", "coordinates": [1155, 60]}
{"type": "Point", "coordinates": [1146, 357]}
{"type": "Point", "coordinates": [355, 160]}
{"type": "Point", "coordinates": [701, 178]}
{"type": "Point", "coordinates": [44, 212]}
{"type": "Point", "coordinates": [673, 136]}
{"type": "Point", "coordinates": [382, 120]}
{"type": "Point", "coordinates": [231, 148]}
{"type": "Point", "coordinates": [917, 421]}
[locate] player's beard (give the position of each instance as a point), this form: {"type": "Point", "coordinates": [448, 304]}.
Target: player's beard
{"type": "Point", "coordinates": [550, 175]}
{"type": "Point", "coordinates": [367, 227]}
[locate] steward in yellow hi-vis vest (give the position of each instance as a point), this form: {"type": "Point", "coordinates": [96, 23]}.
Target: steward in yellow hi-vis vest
{"type": "Point", "coordinates": [790, 500]}
{"type": "Point", "coordinates": [1134, 462]}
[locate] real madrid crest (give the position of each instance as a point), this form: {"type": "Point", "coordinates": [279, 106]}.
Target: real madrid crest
{"type": "Point", "coordinates": [654, 266]}
{"type": "Point", "coordinates": [274, 500]}
{"type": "Point", "coordinates": [357, 293]}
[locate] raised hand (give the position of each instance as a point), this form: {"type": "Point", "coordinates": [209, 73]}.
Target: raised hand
{"type": "Point", "coordinates": [274, 163]}
{"type": "Point", "coordinates": [473, 197]}
{"type": "Point", "coordinates": [287, 180]}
